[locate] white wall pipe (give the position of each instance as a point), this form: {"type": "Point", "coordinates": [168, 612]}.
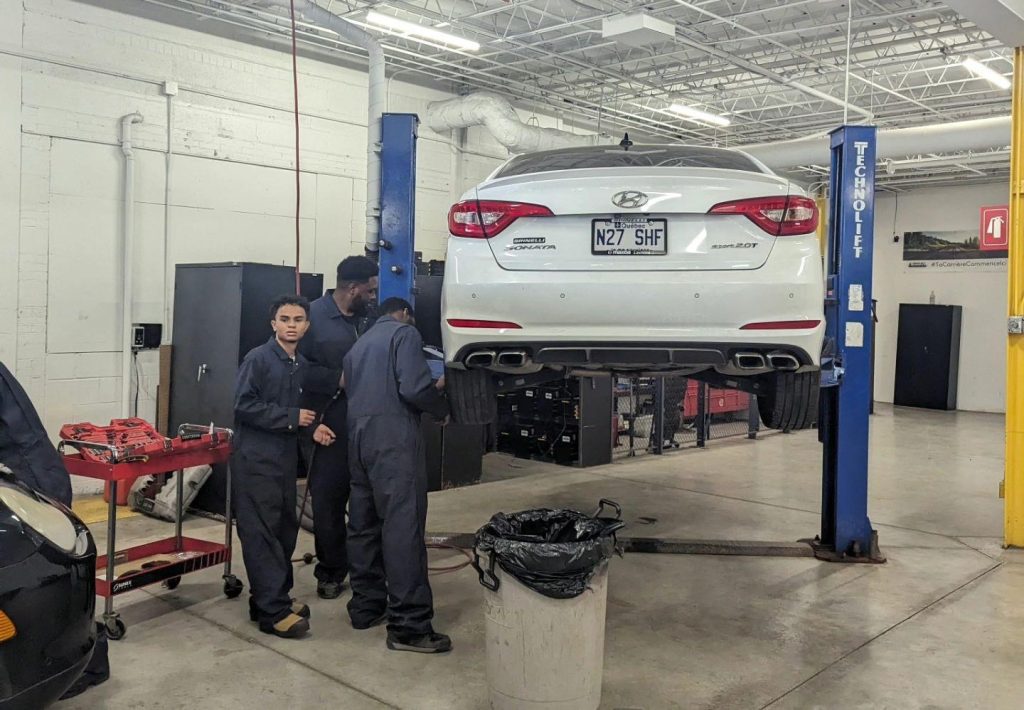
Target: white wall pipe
{"type": "Point", "coordinates": [377, 99]}
{"type": "Point", "coordinates": [961, 136]}
{"type": "Point", "coordinates": [128, 254]}
{"type": "Point", "coordinates": [495, 113]}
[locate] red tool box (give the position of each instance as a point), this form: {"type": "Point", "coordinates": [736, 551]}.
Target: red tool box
{"type": "Point", "coordinates": [718, 401]}
{"type": "Point", "coordinates": [123, 451]}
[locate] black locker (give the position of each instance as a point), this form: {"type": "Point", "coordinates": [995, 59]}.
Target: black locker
{"type": "Point", "coordinates": [928, 356]}
{"type": "Point", "coordinates": [221, 312]}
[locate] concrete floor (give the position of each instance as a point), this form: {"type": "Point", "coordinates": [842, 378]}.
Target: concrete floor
{"type": "Point", "coordinates": [938, 626]}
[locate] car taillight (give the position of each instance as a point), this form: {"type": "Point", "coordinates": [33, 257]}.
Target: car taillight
{"type": "Point", "coordinates": [779, 216]}
{"type": "Point", "coordinates": [782, 325]}
{"type": "Point", "coordinates": [476, 323]}
{"type": "Point", "coordinates": [483, 219]}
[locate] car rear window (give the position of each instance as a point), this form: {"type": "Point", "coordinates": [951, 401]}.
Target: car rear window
{"type": "Point", "coordinates": [639, 156]}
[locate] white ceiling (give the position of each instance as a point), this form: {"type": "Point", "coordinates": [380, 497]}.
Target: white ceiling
{"type": "Point", "coordinates": [775, 68]}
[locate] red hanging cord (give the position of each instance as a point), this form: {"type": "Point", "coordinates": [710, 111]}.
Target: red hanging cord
{"type": "Point", "coordinates": [298, 197]}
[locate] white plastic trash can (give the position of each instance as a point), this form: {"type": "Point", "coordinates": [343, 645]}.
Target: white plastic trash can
{"type": "Point", "coordinates": [543, 652]}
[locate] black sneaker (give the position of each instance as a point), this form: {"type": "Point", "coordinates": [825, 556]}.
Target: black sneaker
{"type": "Point", "coordinates": [329, 590]}
{"type": "Point", "coordinates": [364, 625]}
{"type": "Point", "coordinates": [427, 643]}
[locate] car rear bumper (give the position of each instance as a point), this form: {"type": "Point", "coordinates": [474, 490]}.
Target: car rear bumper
{"type": "Point", "coordinates": [676, 319]}
{"type": "Point", "coordinates": [638, 355]}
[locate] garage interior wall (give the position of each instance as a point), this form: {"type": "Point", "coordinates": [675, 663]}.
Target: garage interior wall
{"type": "Point", "coordinates": [982, 386]}
{"type": "Point", "coordinates": [68, 72]}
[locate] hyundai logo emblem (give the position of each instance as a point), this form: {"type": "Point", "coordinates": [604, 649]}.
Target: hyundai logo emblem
{"type": "Point", "coordinates": [629, 199]}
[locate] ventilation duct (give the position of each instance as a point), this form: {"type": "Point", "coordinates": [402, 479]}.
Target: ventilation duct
{"type": "Point", "coordinates": [962, 136]}
{"type": "Point", "coordinates": [497, 115]}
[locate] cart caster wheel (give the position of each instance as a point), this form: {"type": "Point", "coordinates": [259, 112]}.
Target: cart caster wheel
{"type": "Point", "coordinates": [232, 587]}
{"type": "Point", "coordinates": [115, 629]}
{"type": "Point", "coordinates": [172, 583]}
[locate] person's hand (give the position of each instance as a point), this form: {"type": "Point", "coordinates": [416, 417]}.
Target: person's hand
{"type": "Point", "coordinates": [323, 435]}
{"type": "Point", "coordinates": [306, 417]}
{"type": "Point", "coordinates": [341, 381]}
{"type": "Point", "coordinates": [440, 383]}
{"type": "Point", "coordinates": [447, 420]}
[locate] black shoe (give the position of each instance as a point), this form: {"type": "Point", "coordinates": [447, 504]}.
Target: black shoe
{"type": "Point", "coordinates": [427, 643]}
{"type": "Point", "coordinates": [329, 590]}
{"type": "Point", "coordinates": [84, 682]}
{"type": "Point", "coordinates": [298, 608]}
{"type": "Point", "coordinates": [364, 625]}
{"type": "Point", "coordinates": [292, 626]}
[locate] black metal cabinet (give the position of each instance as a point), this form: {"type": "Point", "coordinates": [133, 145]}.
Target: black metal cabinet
{"type": "Point", "coordinates": [928, 356]}
{"type": "Point", "coordinates": [221, 312]}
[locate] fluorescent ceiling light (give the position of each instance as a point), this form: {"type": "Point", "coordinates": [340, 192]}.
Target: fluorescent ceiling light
{"type": "Point", "coordinates": [700, 116]}
{"type": "Point", "coordinates": [411, 28]}
{"type": "Point", "coordinates": [986, 72]}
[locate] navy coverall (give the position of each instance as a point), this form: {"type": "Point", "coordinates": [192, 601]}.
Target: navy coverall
{"type": "Point", "coordinates": [389, 386]}
{"type": "Point", "coordinates": [24, 446]}
{"type": "Point", "coordinates": [264, 467]}
{"type": "Point", "coordinates": [331, 336]}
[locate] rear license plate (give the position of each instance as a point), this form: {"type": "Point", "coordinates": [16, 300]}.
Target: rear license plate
{"type": "Point", "coordinates": [629, 236]}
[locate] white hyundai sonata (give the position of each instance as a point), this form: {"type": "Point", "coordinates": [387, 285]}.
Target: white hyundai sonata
{"type": "Point", "coordinates": [648, 258]}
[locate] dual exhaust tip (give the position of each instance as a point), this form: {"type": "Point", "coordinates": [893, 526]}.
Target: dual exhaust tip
{"type": "Point", "coordinates": [775, 360]}
{"type": "Point", "coordinates": [503, 358]}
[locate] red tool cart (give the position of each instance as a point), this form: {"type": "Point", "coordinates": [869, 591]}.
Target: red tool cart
{"type": "Point", "coordinates": [125, 450]}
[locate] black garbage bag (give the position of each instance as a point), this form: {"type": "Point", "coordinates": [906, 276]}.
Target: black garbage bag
{"type": "Point", "coordinates": [553, 552]}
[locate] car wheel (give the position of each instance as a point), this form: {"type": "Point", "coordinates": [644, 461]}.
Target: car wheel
{"type": "Point", "coordinates": [791, 403]}
{"type": "Point", "coordinates": [472, 396]}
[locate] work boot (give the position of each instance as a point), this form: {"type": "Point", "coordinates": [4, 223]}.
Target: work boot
{"type": "Point", "coordinates": [292, 626]}
{"type": "Point", "coordinates": [298, 608]}
{"type": "Point", "coordinates": [426, 643]}
{"type": "Point", "coordinates": [329, 590]}
{"type": "Point", "coordinates": [360, 625]}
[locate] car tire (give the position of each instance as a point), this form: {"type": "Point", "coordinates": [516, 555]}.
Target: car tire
{"type": "Point", "coordinates": [791, 403]}
{"type": "Point", "coordinates": [472, 396]}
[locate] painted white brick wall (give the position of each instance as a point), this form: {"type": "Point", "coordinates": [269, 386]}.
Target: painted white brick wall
{"type": "Point", "coordinates": [982, 384]}
{"type": "Point", "coordinates": [230, 192]}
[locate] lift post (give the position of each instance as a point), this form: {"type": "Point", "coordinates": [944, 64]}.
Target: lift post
{"type": "Point", "coordinates": [843, 419]}
{"type": "Point", "coordinates": [398, 206]}
{"type": "Point", "coordinates": [1013, 527]}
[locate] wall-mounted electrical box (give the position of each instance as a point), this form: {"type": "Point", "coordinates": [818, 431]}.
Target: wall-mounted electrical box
{"type": "Point", "coordinates": [146, 336]}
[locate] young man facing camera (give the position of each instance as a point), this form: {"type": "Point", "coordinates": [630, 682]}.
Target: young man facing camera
{"type": "Point", "coordinates": [265, 465]}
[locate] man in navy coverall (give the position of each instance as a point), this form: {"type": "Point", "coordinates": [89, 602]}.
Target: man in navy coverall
{"type": "Point", "coordinates": [337, 319]}
{"type": "Point", "coordinates": [389, 386]}
{"type": "Point", "coordinates": [265, 464]}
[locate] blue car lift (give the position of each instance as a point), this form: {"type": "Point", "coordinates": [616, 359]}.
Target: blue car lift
{"type": "Point", "coordinates": [843, 420]}
{"type": "Point", "coordinates": [397, 251]}
{"type": "Point", "coordinates": [845, 404]}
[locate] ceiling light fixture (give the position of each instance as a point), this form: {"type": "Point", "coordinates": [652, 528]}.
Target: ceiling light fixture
{"type": "Point", "coordinates": [411, 28]}
{"type": "Point", "coordinates": [699, 116]}
{"type": "Point", "coordinates": [985, 72]}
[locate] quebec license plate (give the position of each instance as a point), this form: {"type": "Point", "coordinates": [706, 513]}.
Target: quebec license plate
{"type": "Point", "coordinates": [629, 236]}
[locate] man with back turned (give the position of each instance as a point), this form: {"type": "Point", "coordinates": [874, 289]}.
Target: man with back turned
{"type": "Point", "coordinates": [389, 386]}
